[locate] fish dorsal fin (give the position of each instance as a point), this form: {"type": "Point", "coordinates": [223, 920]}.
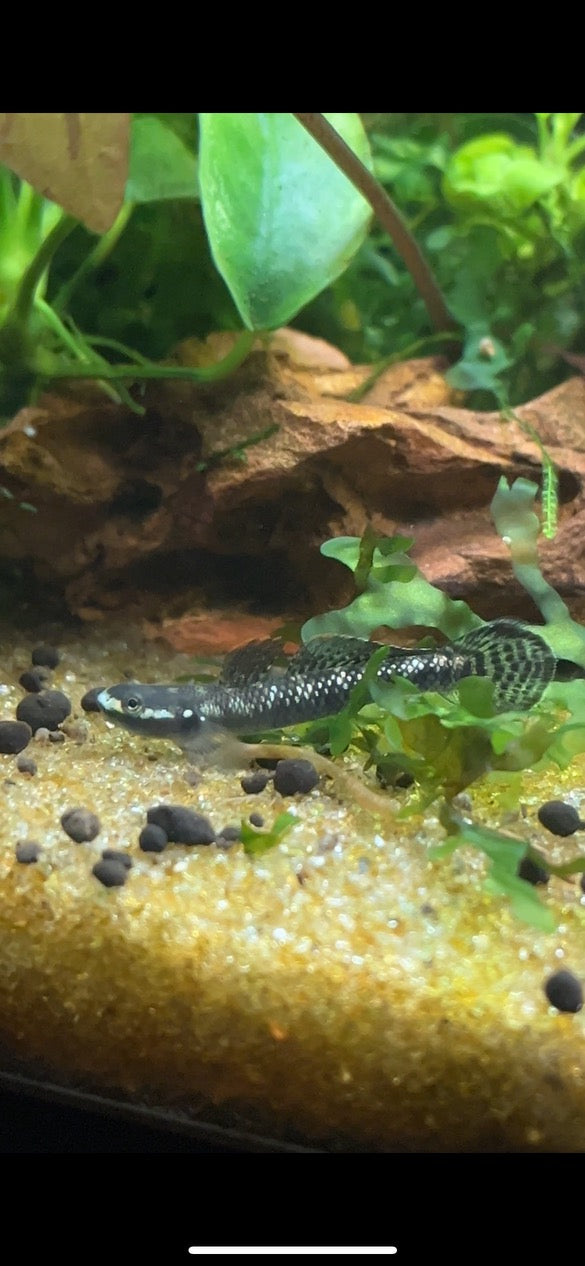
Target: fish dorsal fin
{"type": "Point", "coordinates": [251, 662]}
{"type": "Point", "coordinates": [323, 653]}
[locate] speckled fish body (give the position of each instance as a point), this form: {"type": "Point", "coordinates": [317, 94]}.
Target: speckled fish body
{"type": "Point", "coordinates": [253, 694]}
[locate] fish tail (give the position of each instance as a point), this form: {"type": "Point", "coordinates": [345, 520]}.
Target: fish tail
{"type": "Point", "coordinates": [516, 659]}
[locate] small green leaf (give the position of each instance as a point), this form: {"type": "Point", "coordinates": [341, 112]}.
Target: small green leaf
{"type": "Point", "coordinates": [494, 172]}
{"type": "Point", "coordinates": [345, 549]}
{"type": "Point", "coordinates": [283, 222]}
{"type": "Point", "coordinates": [476, 695]}
{"type": "Point", "coordinates": [505, 854]}
{"type": "Point", "coordinates": [394, 544]}
{"type": "Point", "coordinates": [502, 849]}
{"type": "Point", "coordinates": [256, 840]}
{"type": "Point", "coordinates": [162, 159]}
{"type": "Point", "coordinates": [524, 901]}
{"type": "Point", "coordinates": [396, 573]}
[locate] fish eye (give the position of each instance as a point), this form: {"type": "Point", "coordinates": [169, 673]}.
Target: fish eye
{"type": "Point", "coordinates": [132, 704]}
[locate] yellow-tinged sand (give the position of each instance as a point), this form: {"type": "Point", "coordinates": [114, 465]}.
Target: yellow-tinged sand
{"type": "Point", "coordinates": [340, 988]}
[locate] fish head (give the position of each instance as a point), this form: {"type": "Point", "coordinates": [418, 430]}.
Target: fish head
{"type": "Point", "coordinates": [153, 711]}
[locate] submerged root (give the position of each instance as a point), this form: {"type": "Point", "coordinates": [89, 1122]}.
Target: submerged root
{"type": "Point", "coordinates": [348, 785]}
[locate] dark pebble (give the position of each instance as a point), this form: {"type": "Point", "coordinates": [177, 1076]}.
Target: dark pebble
{"type": "Point", "coordinates": [559, 818]}
{"type": "Point", "coordinates": [110, 873]}
{"type": "Point", "coordinates": [152, 839]}
{"type": "Point", "coordinates": [532, 872]}
{"type": "Point", "coordinates": [46, 656]}
{"type": "Point", "coordinates": [564, 991]}
{"type": "Point", "coordinates": [117, 855]}
{"type": "Point", "coordinates": [256, 819]}
{"type": "Point", "coordinates": [14, 736]}
{"type": "Point", "coordinates": [293, 777]}
{"type": "Point", "coordinates": [47, 709]}
{"type": "Point", "coordinates": [56, 736]}
{"type": "Point", "coordinates": [26, 765]}
{"type": "Point", "coordinates": [228, 837]}
{"type": "Point", "coordinates": [27, 851]}
{"type": "Point", "coordinates": [254, 783]}
{"type": "Point", "coordinates": [89, 701]}
{"type": "Point", "coordinates": [34, 680]}
{"type": "Point", "coordinates": [181, 826]}
{"type": "Point", "coordinates": [81, 825]}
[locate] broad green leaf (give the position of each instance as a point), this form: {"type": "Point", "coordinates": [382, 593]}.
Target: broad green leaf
{"type": "Point", "coordinates": [397, 603]}
{"type": "Point", "coordinates": [283, 221]}
{"type": "Point", "coordinates": [162, 159]}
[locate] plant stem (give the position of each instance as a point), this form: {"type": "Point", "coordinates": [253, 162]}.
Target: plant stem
{"type": "Point", "coordinates": [236, 450]}
{"type": "Point", "coordinates": [405, 353]}
{"type": "Point", "coordinates": [90, 360]}
{"type": "Point", "coordinates": [96, 256]}
{"type": "Point", "coordinates": [388, 214]}
{"type": "Point", "coordinates": [31, 278]}
{"type": "Point", "coordinates": [56, 325]}
{"type": "Point", "coordinates": [129, 373]}
{"type": "Point", "coordinates": [101, 340]}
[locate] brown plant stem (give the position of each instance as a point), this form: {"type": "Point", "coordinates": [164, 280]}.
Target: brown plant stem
{"type": "Point", "coordinates": [388, 215]}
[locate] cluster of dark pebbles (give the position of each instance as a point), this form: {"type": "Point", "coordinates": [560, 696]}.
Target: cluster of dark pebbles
{"type": "Point", "coordinates": [40, 706]}
{"type": "Point", "coordinates": [563, 989]}
{"type": "Point", "coordinates": [83, 826]}
{"type": "Point", "coordinates": [560, 819]}
{"type": "Point", "coordinates": [292, 777]}
{"type": "Point", "coordinates": [174, 824]}
{"type": "Point", "coordinates": [170, 824]}
{"type": "Point", "coordinates": [177, 824]}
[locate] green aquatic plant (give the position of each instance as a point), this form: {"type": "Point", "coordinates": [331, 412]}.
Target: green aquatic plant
{"type": "Point", "coordinates": [40, 343]}
{"type": "Point", "coordinates": [443, 744]}
{"type": "Point", "coordinates": [251, 192]}
{"type": "Point", "coordinates": [257, 840]}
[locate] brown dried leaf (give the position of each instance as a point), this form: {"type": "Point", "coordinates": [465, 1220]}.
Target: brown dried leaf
{"type": "Point", "coordinates": [77, 160]}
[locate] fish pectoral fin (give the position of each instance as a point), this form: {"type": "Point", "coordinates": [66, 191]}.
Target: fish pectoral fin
{"type": "Point", "coordinates": [212, 745]}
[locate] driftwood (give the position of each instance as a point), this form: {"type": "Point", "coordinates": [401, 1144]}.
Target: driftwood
{"type": "Point", "coordinates": [148, 515]}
